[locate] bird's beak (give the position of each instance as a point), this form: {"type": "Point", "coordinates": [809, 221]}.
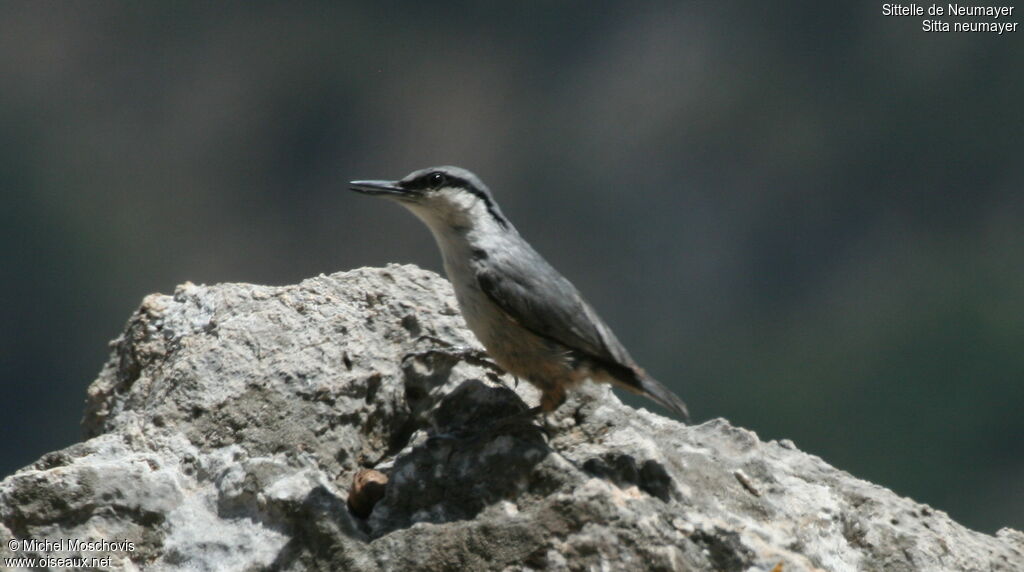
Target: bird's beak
{"type": "Point", "coordinates": [377, 188]}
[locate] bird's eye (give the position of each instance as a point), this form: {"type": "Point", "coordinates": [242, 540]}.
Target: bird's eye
{"type": "Point", "coordinates": [437, 179]}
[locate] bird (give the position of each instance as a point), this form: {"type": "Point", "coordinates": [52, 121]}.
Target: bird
{"type": "Point", "coordinates": [531, 320]}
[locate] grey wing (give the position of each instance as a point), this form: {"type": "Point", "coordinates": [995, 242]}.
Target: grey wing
{"type": "Point", "coordinates": [544, 302]}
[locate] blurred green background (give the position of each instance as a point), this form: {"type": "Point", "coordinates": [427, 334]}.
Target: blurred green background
{"type": "Point", "coordinates": [804, 218]}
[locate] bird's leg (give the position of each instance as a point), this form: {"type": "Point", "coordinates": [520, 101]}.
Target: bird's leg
{"type": "Point", "coordinates": [456, 348]}
{"type": "Point", "coordinates": [552, 398]}
{"type": "Point", "coordinates": [469, 354]}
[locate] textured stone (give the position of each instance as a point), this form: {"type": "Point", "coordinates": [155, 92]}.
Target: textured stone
{"type": "Point", "coordinates": [226, 428]}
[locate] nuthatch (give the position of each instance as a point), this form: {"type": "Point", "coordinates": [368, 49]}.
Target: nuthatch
{"type": "Point", "coordinates": [532, 320]}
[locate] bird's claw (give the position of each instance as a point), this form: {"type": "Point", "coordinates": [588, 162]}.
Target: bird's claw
{"type": "Point", "coordinates": [469, 354]}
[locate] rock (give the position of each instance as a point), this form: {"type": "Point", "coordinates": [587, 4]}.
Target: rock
{"type": "Point", "coordinates": [226, 430]}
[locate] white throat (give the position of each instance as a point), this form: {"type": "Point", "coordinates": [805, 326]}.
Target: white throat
{"type": "Point", "coordinates": [461, 224]}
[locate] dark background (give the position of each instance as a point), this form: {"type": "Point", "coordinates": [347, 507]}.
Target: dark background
{"type": "Point", "coordinates": [804, 218]}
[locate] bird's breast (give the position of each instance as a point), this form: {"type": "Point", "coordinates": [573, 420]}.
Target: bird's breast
{"type": "Point", "coordinates": [513, 347]}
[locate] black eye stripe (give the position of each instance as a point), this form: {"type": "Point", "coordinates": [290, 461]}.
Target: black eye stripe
{"type": "Point", "coordinates": [426, 182]}
{"type": "Point", "coordinates": [434, 180]}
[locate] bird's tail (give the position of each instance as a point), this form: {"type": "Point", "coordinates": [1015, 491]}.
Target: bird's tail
{"type": "Point", "coordinates": [653, 389]}
{"type": "Point", "coordinates": [636, 380]}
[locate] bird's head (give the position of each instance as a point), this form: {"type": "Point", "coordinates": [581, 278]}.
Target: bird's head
{"type": "Point", "coordinates": [440, 196]}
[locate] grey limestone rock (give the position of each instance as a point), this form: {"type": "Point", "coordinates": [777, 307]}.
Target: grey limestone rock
{"type": "Point", "coordinates": [225, 430]}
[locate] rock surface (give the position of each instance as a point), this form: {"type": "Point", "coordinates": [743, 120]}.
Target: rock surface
{"type": "Point", "coordinates": [226, 428]}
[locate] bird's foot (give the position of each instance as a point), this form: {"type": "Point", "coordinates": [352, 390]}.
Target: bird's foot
{"type": "Point", "coordinates": [468, 354]}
